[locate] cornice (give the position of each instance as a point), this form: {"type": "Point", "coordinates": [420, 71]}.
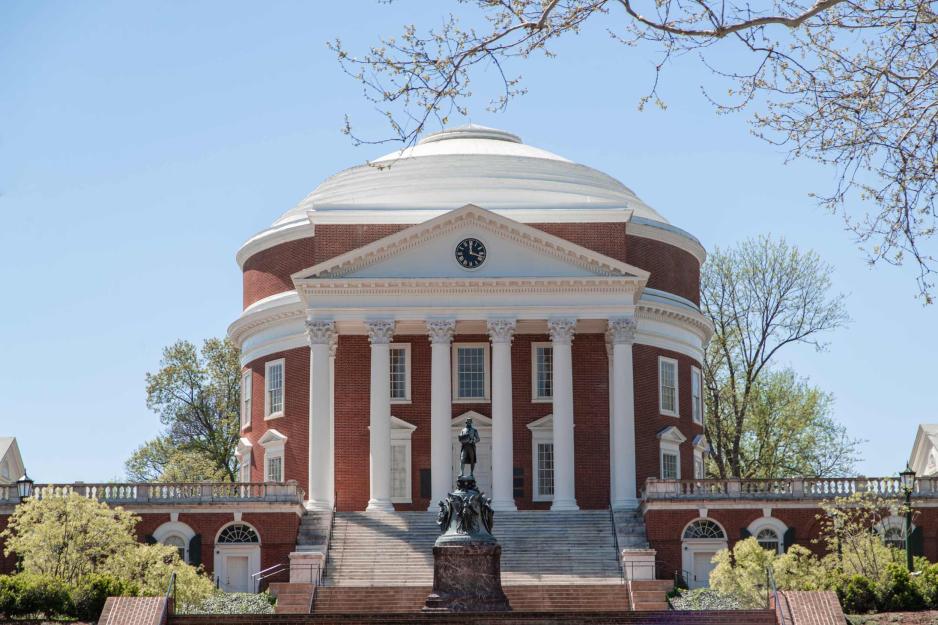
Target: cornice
{"type": "Point", "coordinates": [666, 233]}
{"type": "Point", "coordinates": [467, 286]}
{"type": "Point", "coordinates": [691, 319]}
{"type": "Point", "coordinates": [253, 319]}
{"type": "Point", "coordinates": [271, 237]}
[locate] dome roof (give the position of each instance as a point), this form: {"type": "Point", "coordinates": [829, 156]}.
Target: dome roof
{"type": "Point", "coordinates": [470, 165]}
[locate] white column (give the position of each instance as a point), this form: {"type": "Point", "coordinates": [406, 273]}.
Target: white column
{"type": "Point", "coordinates": [380, 333]}
{"type": "Point", "coordinates": [333, 348]}
{"type": "Point", "coordinates": [321, 335]}
{"type": "Point", "coordinates": [612, 433]}
{"type": "Point", "coordinates": [501, 332]}
{"type": "Point", "coordinates": [561, 336]}
{"type": "Point", "coordinates": [622, 335]}
{"type": "Point", "coordinates": [441, 409]}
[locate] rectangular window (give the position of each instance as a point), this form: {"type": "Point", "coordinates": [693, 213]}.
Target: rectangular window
{"type": "Point", "coordinates": [542, 371]}
{"type": "Point", "coordinates": [244, 469]}
{"type": "Point", "coordinates": [273, 382]}
{"type": "Point", "coordinates": [246, 399]}
{"type": "Point", "coordinates": [400, 474]}
{"type": "Point", "coordinates": [471, 372]}
{"type": "Point", "coordinates": [696, 394]}
{"type": "Point", "coordinates": [698, 467]}
{"type": "Point", "coordinates": [544, 489]}
{"type": "Point", "coordinates": [400, 373]}
{"type": "Point", "coordinates": [669, 466]}
{"type": "Point", "coordinates": [667, 386]}
{"type": "Point", "coordinates": [274, 468]}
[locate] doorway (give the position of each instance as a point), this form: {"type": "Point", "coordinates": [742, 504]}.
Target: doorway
{"type": "Point", "coordinates": [483, 471]}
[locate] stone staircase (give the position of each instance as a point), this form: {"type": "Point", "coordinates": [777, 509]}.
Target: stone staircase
{"type": "Point", "coordinates": [630, 529]}
{"type": "Point", "coordinates": [293, 598]}
{"type": "Point", "coordinates": [530, 598]}
{"type": "Point", "coordinates": [391, 549]}
{"type": "Point", "coordinates": [649, 594]}
{"type": "Point", "coordinates": [313, 534]}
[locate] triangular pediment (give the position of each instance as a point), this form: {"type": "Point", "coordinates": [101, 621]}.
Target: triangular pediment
{"type": "Point", "coordinates": [429, 250]}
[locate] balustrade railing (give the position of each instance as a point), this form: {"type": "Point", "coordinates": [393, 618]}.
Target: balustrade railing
{"type": "Point", "coordinates": [154, 492]}
{"type": "Point", "coordinates": [790, 488]}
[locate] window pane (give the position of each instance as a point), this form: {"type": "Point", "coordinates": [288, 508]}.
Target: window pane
{"type": "Point", "coordinates": [275, 389]}
{"type": "Point", "coordinates": [544, 368]}
{"type": "Point", "coordinates": [398, 373]}
{"type": "Point", "coordinates": [667, 377]}
{"type": "Point", "coordinates": [545, 469]}
{"type": "Point", "coordinates": [246, 399]}
{"type": "Point", "coordinates": [470, 367]}
{"type": "Point", "coordinates": [768, 539]}
{"type": "Point", "coordinates": [669, 466]}
{"type": "Point", "coordinates": [275, 469]}
{"type": "Point", "coordinates": [695, 395]}
{"type": "Point", "coordinates": [398, 471]}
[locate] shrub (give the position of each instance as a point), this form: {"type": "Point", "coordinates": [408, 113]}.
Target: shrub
{"type": "Point", "coordinates": [898, 593]}
{"type": "Point", "coordinates": [233, 603]}
{"type": "Point", "coordinates": [29, 593]}
{"type": "Point", "coordinates": [741, 573]}
{"type": "Point", "coordinates": [857, 595]}
{"type": "Point", "coordinates": [89, 597]}
{"type": "Point", "coordinates": [927, 583]}
{"type": "Point", "coordinates": [704, 599]}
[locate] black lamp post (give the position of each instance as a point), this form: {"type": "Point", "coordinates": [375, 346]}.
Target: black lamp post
{"type": "Point", "coordinates": [24, 487]}
{"type": "Point", "coordinates": [907, 481]}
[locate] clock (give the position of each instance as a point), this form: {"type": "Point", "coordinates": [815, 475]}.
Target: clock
{"type": "Point", "coordinates": [470, 253]}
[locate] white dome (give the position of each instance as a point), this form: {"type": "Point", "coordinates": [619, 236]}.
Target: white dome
{"type": "Point", "coordinates": [471, 165]}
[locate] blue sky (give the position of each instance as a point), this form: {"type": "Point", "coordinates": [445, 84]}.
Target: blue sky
{"type": "Point", "coordinates": [142, 143]}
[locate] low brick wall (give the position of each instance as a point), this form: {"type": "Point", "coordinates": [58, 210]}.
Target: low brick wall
{"type": "Point", "coordinates": [135, 611]}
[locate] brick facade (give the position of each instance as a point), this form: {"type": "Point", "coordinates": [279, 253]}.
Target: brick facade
{"type": "Point", "coordinates": [672, 269]}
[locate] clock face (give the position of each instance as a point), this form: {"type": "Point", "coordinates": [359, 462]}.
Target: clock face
{"type": "Point", "coordinates": [470, 253]}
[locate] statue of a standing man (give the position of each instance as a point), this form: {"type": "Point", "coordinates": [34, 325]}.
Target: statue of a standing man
{"type": "Point", "coordinates": [468, 437]}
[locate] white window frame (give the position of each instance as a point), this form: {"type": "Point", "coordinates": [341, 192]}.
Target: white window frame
{"type": "Point", "coordinates": [669, 442]}
{"type": "Point", "coordinates": [677, 408]}
{"type": "Point", "coordinates": [243, 455]}
{"type": "Point", "coordinates": [535, 398]}
{"type": "Point", "coordinates": [274, 444]}
{"type": "Point", "coordinates": [405, 347]}
{"type": "Point", "coordinates": [401, 435]}
{"type": "Point", "coordinates": [769, 522]}
{"type": "Point", "coordinates": [700, 469]}
{"type": "Point", "coordinates": [269, 456]}
{"type": "Point", "coordinates": [487, 369]}
{"type": "Point", "coordinates": [268, 415]}
{"type": "Point", "coordinates": [247, 390]}
{"type": "Point", "coordinates": [697, 403]}
{"type": "Point", "coordinates": [542, 431]}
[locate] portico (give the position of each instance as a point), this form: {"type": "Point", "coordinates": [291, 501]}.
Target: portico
{"type": "Point", "coordinates": [531, 283]}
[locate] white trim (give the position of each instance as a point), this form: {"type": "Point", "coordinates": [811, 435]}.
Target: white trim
{"type": "Point", "coordinates": [274, 236]}
{"type": "Point", "coordinates": [487, 372]}
{"type": "Point", "coordinates": [535, 398]}
{"type": "Point", "coordinates": [666, 233]}
{"type": "Point", "coordinates": [692, 546]}
{"type": "Point", "coordinates": [175, 529]}
{"type": "Point", "coordinates": [268, 415]}
{"type": "Point", "coordinates": [243, 455]}
{"type": "Point", "coordinates": [405, 347]}
{"type": "Point", "coordinates": [771, 523]}
{"type": "Point", "coordinates": [542, 431]}
{"type": "Point", "coordinates": [274, 444]}
{"type": "Point", "coordinates": [697, 405]}
{"type": "Point", "coordinates": [669, 443]}
{"type": "Point", "coordinates": [247, 398]}
{"type": "Point", "coordinates": [677, 408]}
{"type": "Point", "coordinates": [401, 435]}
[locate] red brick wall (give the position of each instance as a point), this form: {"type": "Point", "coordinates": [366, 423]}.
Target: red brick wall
{"type": "Point", "coordinates": [664, 528]}
{"type": "Point", "coordinates": [277, 532]}
{"type": "Point", "coordinates": [648, 418]}
{"type": "Point", "coordinates": [672, 269]}
{"type": "Point", "coordinates": [294, 423]}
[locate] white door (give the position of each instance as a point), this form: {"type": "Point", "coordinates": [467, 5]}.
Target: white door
{"type": "Point", "coordinates": [236, 574]}
{"type": "Point", "coordinates": [702, 568]}
{"type": "Point", "coordinates": [483, 471]}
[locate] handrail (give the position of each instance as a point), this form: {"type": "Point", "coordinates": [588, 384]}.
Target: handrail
{"type": "Point", "coordinates": [171, 594]}
{"type": "Point", "coordinates": [615, 539]}
{"type": "Point", "coordinates": [772, 594]}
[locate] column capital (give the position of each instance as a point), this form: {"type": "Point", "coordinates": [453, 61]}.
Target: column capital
{"type": "Point", "coordinates": [621, 330]}
{"type": "Point", "coordinates": [501, 330]}
{"type": "Point", "coordinates": [320, 331]}
{"type": "Point", "coordinates": [562, 330]}
{"type": "Point", "coordinates": [441, 330]}
{"type": "Point", "coordinates": [380, 331]}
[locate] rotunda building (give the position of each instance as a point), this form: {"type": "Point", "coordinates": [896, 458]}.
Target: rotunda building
{"type": "Point", "coordinates": [471, 276]}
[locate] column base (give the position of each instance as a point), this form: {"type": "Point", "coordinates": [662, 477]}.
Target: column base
{"type": "Point", "coordinates": [564, 505]}
{"type": "Point", "coordinates": [318, 505]}
{"type": "Point", "coordinates": [504, 505]}
{"type": "Point", "coordinates": [377, 505]}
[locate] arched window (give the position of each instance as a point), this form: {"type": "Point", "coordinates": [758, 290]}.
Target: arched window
{"type": "Point", "coordinates": [704, 528]}
{"type": "Point", "coordinates": [179, 543]}
{"type": "Point", "coordinates": [768, 539]}
{"type": "Point", "coordinates": [894, 537]}
{"type": "Point", "coordinates": [238, 533]}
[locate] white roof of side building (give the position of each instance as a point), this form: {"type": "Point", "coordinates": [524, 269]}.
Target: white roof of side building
{"type": "Point", "coordinates": [471, 165]}
{"type": "Point", "coordinates": [11, 463]}
{"type": "Point", "coordinates": [924, 457]}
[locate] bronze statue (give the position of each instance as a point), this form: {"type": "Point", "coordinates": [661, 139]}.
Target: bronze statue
{"type": "Point", "coordinates": [468, 437]}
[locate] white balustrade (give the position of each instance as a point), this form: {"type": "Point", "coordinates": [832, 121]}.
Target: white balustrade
{"type": "Point", "coordinates": [157, 492]}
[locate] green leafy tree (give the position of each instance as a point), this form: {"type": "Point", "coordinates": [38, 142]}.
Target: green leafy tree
{"type": "Point", "coordinates": [847, 83]}
{"type": "Point", "coordinates": [197, 396]}
{"type": "Point", "coordinates": [762, 296]}
{"type": "Point", "coordinates": [76, 540]}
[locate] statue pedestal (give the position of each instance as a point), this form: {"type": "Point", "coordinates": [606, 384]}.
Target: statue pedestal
{"type": "Point", "coordinates": [467, 578]}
